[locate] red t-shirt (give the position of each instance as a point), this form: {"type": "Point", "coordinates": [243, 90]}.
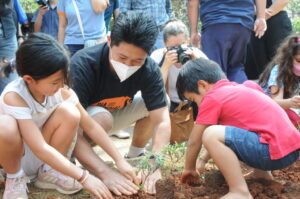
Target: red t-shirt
{"type": "Point", "coordinates": [245, 106]}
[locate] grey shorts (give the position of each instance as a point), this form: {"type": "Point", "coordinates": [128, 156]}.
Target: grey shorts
{"type": "Point", "coordinates": [124, 117]}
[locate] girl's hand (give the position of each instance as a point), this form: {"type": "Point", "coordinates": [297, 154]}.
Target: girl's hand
{"type": "Point", "coordinates": [125, 169]}
{"type": "Point", "coordinates": [190, 177]}
{"type": "Point", "coordinates": [295, 102]}
{"type": "Point", "coordinates": [97, 187]}
{"type": "Point", "coordinates": [171, 58]}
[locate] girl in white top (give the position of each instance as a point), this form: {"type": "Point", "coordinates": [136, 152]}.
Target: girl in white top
{"type": "Point", "coordinates": [39, 119]}
{"type": "Point", "coordinates": [175, 35]}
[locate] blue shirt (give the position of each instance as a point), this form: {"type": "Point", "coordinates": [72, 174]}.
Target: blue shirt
{"type": "Point", "coordinates": [227, 11]}
{"type": "Point", "coordinates": [93, 24]}
{"type": "Point", "coordinates": [113, 4]}
{"type": "Point", "coordinates": [49, 22]}
{"type": "Point", "coordinates": [160, 10]}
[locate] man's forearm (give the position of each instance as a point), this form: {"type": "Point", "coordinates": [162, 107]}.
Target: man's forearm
{"type": "Point", "coordinates": [260, 8]}
{"type": "Point", "coordinates": [193, 14]}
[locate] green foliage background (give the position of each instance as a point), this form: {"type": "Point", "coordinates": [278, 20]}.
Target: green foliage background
{"type": "Point", "coordinates": [179, 10]}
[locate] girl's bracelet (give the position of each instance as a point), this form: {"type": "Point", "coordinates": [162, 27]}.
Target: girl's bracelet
{"type": "Point", "coordinates": [84, 177]}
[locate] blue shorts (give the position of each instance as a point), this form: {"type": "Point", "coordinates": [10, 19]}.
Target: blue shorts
{"type": "Point", "coordinates": [249, 150]}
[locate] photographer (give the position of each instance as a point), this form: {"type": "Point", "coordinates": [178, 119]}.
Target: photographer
{"type": "Point", "coordinates": [45, 19]}
{"type": "Point", "coordinates": [174, 55]}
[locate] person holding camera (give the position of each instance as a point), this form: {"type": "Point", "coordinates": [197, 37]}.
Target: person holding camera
{"type": "Point", "coordinates": [45, 19]}
{"type": "Point", "coordinates": [176, 53]}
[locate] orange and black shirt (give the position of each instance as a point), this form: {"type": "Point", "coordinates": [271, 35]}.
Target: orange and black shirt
{"type": "Point", "coordinates": [96, 85]}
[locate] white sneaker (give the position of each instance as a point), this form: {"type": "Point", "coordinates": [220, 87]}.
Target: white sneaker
{"type": "Point", "coordinates": [122, 135]}
{"type": "Point", "coordinates": [16, 188]}
{"type": "Point", "coordinates": [53, 179]}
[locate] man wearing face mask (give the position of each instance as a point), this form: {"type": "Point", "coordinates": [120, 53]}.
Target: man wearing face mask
{"type": "Point", "coordinates": [107, 78]}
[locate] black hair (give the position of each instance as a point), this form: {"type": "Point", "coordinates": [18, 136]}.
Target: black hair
{"type": "Point", "coordinates": [284, 59]}
{"type": "Point", "coordinates": [135, 27]}
{"type": "Point", "coordinates": [195, 70]}
{"type": "Point", "coordinates": [174, 27]}
{"type": "Point", "coordinates": [41, 56]}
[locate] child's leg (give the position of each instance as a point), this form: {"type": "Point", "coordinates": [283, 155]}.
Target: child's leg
{"type": "Point", "coordinates": [227, 161]}
{"type": "Point", "coordinates": [61, 128]}
{"type": "Point", "coordinates": [11, 152]}
{"type": "Point", "coordinates": [59, 132]}
{"type": "Point", "coordinates": [11, 145]}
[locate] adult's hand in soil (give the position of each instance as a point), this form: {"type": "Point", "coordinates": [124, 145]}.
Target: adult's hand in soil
{"type": "Point", "coordinates": [119, 184]}
{"type": "Point", "coordinates": [97, 187]}
{"type": "Point", "coordinates": [149, 182]}
{"type": "Point", "coordinates": [127, 170]}
{"type": "Point", "coordinates": [190, 177]}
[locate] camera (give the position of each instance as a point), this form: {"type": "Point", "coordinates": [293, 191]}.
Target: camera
{"type": "Point", "coordinates": [41, 2]}
{"type": "Point", "coordinates": [180, 50]}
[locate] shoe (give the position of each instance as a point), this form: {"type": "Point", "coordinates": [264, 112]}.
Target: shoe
{"type": "Point", "coordinates": [127, 157]}
{"type": "Point", "coordinates": [53, 179]}
{"type": "Point", "coordinates": [122, 135]}
{"type": "Point", "coordinates": [2, 176]}
{"type": "Point", "coordinates": [16, 188]}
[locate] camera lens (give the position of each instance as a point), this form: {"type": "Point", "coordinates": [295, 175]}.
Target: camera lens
{"type": "Point", "coordinates": [183, 58]}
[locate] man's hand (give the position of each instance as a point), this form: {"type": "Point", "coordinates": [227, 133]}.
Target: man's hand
{"type": "Point", "coordinates": [190, 177]}
{"type": "Point", "coordinates": [150, 180]}
{"type": "Point", "coordinates": [125, 169]}
{"type": "Point", "coordinates": [260, 27]}
{"type": "Point", "coordinates": [43, 10]}
{"type": "Point", "coordinates": [118, 183]}
{"type": "Point", "coordinates": [195, 39]}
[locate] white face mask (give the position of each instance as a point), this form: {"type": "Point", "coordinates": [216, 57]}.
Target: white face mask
{"type": "Point", "coordinates": [123, 71]}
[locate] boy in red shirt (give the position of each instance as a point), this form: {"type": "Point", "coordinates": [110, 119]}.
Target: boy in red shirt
{"type": "Point", "coordinates": [235, 122]}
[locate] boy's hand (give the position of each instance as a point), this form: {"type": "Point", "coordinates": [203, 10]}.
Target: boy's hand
{"type": "Point", "coordinates": [200, 165]}
{"type": "Point", "coordinates": [190, 177]}
{"type": "Point", "coordinates": [125, 169]}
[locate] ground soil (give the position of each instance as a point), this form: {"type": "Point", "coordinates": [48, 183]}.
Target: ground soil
{"type": "Point", "coordinates": [212, 186]}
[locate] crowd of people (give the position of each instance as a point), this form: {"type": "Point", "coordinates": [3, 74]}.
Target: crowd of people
{"type": "Point", "coordinates": [92, 68]}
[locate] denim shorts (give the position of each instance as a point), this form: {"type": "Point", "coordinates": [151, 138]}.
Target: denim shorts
{"type": "Point", "coordinates": [247, 147]}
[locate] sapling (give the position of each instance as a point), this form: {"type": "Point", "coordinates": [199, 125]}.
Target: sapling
{"type": "Point", "coordinates": [175, 154]}
{"type": "Point", "coordinates": [150, 163]}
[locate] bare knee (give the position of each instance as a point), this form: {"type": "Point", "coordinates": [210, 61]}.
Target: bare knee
{"type": "Point", "coordinates": [105, 120]}
{"type": "Point", "coordinates": [9, 132]}
{"type": "Point", "coordinates": [212, 134]}
{"type": "Point", "coordinates": [69, 113]}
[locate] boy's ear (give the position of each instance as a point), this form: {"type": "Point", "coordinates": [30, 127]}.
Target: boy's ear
{"type": "Point", "coordinates": [203, 86]}
{"type": "Point", "coordinates": [28, 79]}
